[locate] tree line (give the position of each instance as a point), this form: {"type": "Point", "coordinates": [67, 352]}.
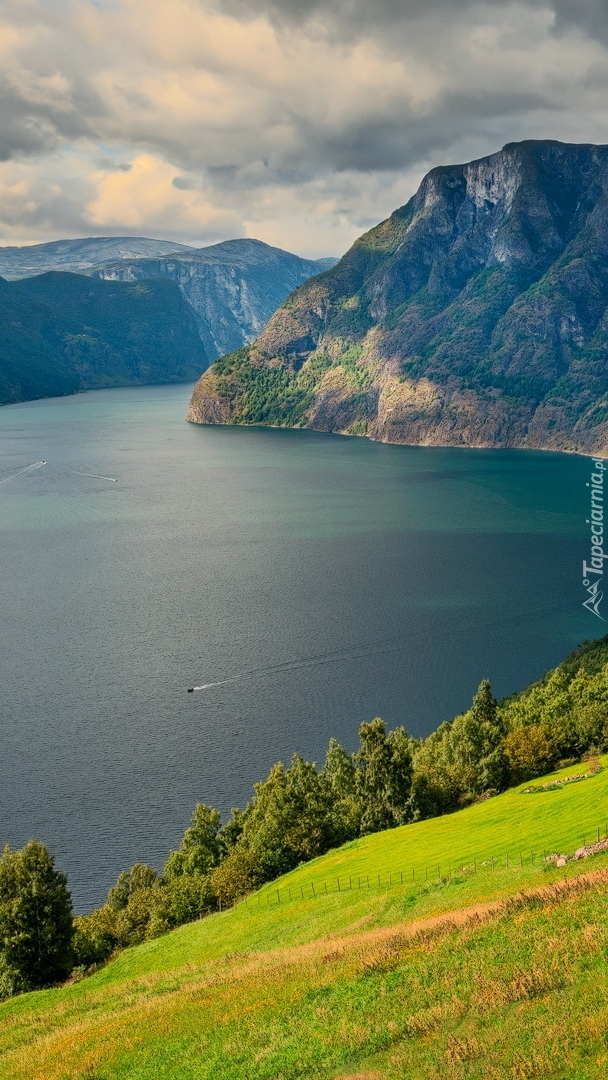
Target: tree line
{"type": "Point", "coordinates": [300, 812]}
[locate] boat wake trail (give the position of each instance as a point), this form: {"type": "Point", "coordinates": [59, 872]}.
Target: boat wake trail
{"type": "Point", "coordinates": [25, 469]}
{"type": "Point", "coordinates": [356, 652]}
{"type": "Point", "coordinates": [96, 476]}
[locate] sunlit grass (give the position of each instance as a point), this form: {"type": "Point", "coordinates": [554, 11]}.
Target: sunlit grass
{"type": "Point", "coordinates": [336, 985]}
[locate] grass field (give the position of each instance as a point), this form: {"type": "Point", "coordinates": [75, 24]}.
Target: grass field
{"type": "Point", "coordinates": [425, 978]}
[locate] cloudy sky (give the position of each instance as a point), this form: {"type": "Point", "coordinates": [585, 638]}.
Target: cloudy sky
{"type": "Point", "coordinates": [299, 122]}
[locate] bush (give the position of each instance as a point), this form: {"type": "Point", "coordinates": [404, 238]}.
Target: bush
{"type": "Point", "coordinates": [529, 751]}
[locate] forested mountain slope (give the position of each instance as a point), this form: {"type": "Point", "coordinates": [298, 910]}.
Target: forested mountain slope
{"type": "Point", "coordinates": [60, 333]}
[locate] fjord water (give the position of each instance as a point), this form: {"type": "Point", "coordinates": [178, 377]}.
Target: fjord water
{"type": "Point", "coordinates": [345, 579]}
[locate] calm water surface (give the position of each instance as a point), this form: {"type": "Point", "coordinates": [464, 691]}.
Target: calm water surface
{"type": "Point", "coordinates": [351, 579]}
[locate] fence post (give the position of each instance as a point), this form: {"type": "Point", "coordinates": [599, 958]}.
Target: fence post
{"type": "Point", "coordinates": [492, 862]}
{"type": "Point", "coordinates": [350, 884]}
{"type": "Point", "coordinates": [278, 897]}
{"type": "Point", "coordinates": [312, 885]}
{"type": "Point", "coordinates": [338, 884]}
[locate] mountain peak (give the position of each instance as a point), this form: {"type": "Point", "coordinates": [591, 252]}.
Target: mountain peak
{"type": "Point", "coordinates": [476, 315]}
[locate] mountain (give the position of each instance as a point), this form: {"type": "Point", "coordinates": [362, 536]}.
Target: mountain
{"type": "Point", "coordinates": [234, 287]}
{"type": "Point", "coordinates": [60, 333]}
{"type": "Point", "coordinates": [476, 315]}
{"type": "Point", "coordinates": [79, 256]}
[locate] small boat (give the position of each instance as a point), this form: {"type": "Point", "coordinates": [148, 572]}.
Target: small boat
{"type": "Point", "coordinates": [190, 689]}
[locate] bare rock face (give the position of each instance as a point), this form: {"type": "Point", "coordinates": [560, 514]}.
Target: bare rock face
{"type": "Point", "coordinates": [233, 287]}
{"type": "Point", "coordinates": [476, 315]}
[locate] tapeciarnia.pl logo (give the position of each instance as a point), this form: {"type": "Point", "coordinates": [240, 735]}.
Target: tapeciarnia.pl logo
{"type": "Point", "coordinates": [593, 571]}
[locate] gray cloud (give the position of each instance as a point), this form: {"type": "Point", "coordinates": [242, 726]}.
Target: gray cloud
{"type": "Point", "coordinates": [361, 17]}
{"type": "Point", "coordinates": [302, 119]}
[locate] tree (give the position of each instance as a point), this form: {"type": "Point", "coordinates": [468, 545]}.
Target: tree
{"type": "Point", "coordinates": [35, 919]}
{"type": "Point", "coordinates": [238, 875]}
{"type": "Point", "coordinates": [200, 849]}
{"type": "Point", "coordinates": [383, 776]}
{"type": "Point", "coordinates": [339, 771]}
{"type": "Point", "coordinates": [529, 751]}
{"type": "Point", "coordinates": [130, 881]}
{"type": "Point", "coordinates": [230, 833]}
{"type": "Point", "coordinates": [475, 741]}
{"type": "Point", "coordinates": [290, 818]}
{"type": "Point", "coordinates": [339, 776]}
{"type": "Point", "coordinates": [95, 937]}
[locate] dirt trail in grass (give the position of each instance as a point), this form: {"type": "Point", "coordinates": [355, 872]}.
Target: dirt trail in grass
{"type": "Point", "coordinates": [334, 947]}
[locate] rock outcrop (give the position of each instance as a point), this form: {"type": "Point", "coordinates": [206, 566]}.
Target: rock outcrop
{"type": "Point", "coordinates": [476, 315]}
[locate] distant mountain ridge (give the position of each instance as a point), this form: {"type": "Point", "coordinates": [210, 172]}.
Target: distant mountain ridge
{"type": "Point", "coordinates": [234, 287]}
{"type": "Point", "coordinates": [60, 333]}
{"type": "Point", "coordinates": [476, 315]}
{"type": "Point", "coordinates": [228, 293]}
{"type": "Point", "coordinates": [79, 256]}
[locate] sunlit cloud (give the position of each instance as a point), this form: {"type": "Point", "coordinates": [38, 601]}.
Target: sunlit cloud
{"type": "Point", "coordinates": [299, 122]}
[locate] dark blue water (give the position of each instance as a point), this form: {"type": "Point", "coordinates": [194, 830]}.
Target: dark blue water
{"type": "Point", "coordinates": [355, 579]}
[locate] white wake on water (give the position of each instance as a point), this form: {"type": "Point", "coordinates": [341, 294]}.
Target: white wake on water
{"type": "Point", "coordinates": [96, 476]}
{"type": "Point", "coordinates": [25, 469]}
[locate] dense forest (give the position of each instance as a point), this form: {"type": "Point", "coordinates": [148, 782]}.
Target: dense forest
{"type": "Point", "coordinates": [61, 333]}
{"type": "Point", "coordinates": [301, 811]}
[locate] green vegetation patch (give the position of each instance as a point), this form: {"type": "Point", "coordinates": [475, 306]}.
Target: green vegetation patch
{"type": "Point", "coordinates": [487, 993]}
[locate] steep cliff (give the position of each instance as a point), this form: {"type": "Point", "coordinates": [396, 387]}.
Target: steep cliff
{"type": "Point", "coordinates": [476, 315]}
{"type": "Point", "coordinates": [234, 287]}
{"type": "Point", "coordinates": [60, 333]}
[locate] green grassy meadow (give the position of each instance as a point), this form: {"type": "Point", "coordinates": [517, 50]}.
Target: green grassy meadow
{"type": "Point", "coordinates": [458, 975]}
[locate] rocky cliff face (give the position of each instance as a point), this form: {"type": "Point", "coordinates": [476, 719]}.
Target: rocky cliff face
{"type": "Point", "coordinates": [234, 287]}
{"type": "Point", "coordinates": [476, 315]}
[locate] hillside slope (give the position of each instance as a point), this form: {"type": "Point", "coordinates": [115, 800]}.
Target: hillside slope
{"type": "Point", "coordinates": [234, 287]}
{"type": "Point", "coordinates": [60, 333]}
{"type": "Point", "coordinates": [476, 315]}
{"type": "Point", "coordinates": [372, 981]}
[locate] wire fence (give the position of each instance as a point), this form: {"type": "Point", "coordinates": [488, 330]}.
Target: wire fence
{"type": "Point", "coordinates": [436, 873]}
